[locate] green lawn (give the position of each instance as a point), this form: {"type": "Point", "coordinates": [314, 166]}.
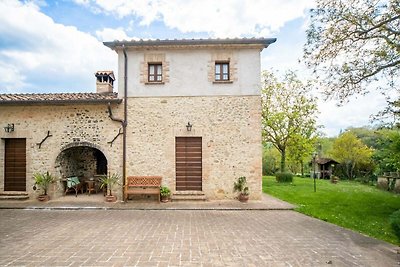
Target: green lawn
{"type": "Point", "coordinates": [359, 207]}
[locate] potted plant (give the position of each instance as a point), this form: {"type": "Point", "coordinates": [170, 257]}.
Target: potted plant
{"type": "Point", "coordinates": [334, 179]}
{"type": "Point", "coordinates": [43, 180]}
{"type": "Point", "coordinates": [165, 193]}
{"type": "Point", "coordinates": [241, 186]}
{"type": "Point", "coordinates": [108, 181]}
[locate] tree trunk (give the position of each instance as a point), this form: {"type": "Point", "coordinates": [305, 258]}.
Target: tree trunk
{"type": "Point", "coordinates": [283, 160]}
{"type": "Point", "coordinates": [302, 168]}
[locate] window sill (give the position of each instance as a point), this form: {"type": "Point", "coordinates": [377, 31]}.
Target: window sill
{"type": "Point", "coordinates": [217, 82]}
{"type": "Point", "coordinates": [154, 82]}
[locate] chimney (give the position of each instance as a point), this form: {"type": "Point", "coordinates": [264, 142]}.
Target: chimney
{"type": "Point", "coordinates": [104, 82]}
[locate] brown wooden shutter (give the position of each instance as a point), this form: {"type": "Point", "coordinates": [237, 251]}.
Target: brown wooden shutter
{"type": "Point", "coordinates": [15, 165]}
{"type": "Point", "coordinates": [188, 162]}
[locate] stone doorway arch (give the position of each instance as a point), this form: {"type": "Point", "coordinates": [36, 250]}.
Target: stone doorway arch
{"type": "Point", "coordinates": [81, 159]}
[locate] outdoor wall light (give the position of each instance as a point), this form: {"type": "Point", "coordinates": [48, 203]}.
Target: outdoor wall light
{"type": "Point", "coordinates": [189, 127]}
{"type": "Point", "coordinates": [9, 128]}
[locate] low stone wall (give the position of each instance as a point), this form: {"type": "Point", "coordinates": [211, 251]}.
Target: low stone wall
{"type": "Point", "coordinates": [383, 184]}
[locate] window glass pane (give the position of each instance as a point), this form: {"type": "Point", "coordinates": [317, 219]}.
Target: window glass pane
{"type": "Point", "coordinates": [159, 78]}
{"type": "Point", "coordinates": [151, 69]}
{"type": "Point", "coordinates": [225, 77]}
{"type": "Point", "coordinates": [151, 78]}
{"type": "Point", "coordinates": [217, 68]}
{"type": "Point", "coordinates": [217, 77]}
{"type": "Point", "coordinates": [225, 68]}
{"type": "Point", "coordinates": [159, 69]}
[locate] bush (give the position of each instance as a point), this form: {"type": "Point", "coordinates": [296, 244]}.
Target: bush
{"type": "Point", "coordinates": [395, 223]}
{"type": "Point", "coordinates": [284, 177]}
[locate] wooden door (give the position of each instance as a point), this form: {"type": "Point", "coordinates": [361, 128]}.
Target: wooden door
{"type": "Point", "coordinates": [15, 165]}
{"type": "Point", "coordinates": [188, 163]}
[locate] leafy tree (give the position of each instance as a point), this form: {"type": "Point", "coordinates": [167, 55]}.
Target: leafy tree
{"type": "Point", "coordinates": [389, 117]}
{"type": "Point", "coordinates": [325, 146]}
{"type": "Point", "coordinates": [353, 43]}
{"type": "Point", "coordinates": [301, 146]}
{"type": "Point", "coordinates": [388, 154]}
{"type": "Point", "coordinates": [353, 155]}
{"type": "Point", "coordinates": [368, 135]}
{"type": "Point", "coordinates": [288, 112]}
{"type": "Point", "coordinates": [271, 158]}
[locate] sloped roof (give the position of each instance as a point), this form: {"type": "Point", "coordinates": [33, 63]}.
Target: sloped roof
{"type": "Point", "coordinates": [260, 42]}
{"type": "Point", "coordinates": [58, 98]}
{"type": "Point", "coordinates": [323, 161]}
{"type": "Point", "coordinates": [105, 72]}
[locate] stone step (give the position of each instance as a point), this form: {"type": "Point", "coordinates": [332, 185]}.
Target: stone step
{"type": "Point", "coordinates": [188, 196]}
{"type": "Point", "coordinates": [13, 195]}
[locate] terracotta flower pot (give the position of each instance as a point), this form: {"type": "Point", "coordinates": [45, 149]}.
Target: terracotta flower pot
{"type": "Point", "coordinates": [110, 198]}
{"type": "Point", "coordinates": [243, 198]}
{"type": "Point", "coordinates": [44, 198]}
{"type": "Point", "coordinates": [164, 199]}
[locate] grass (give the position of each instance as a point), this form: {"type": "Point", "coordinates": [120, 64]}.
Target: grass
{"type": "Point", "coordinates": [352, 205]}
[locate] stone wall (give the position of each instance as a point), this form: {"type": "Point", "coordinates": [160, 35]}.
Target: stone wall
{"type": "Point", "coordinates": [78, 161]}
{"type": "Point", "coordinates": [230, 127]}
{"type": "Point", "coordinates": [70, 126]}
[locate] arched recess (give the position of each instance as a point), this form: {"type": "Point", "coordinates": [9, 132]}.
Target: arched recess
{"type": "Point", "coordinates": [82, 159]}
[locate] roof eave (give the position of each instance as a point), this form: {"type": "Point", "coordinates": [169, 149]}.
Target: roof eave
{"type": "Point", "coordinates": [262, 43]}
{"type": "Point", "coordinates": [58, 102]}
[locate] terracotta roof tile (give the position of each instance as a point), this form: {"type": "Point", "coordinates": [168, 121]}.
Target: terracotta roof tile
{"type": "Point", "coordinates": [58, 98]}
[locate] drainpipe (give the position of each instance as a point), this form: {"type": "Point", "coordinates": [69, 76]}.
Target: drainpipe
{"type": "Point", "coordinates": [125, 120]}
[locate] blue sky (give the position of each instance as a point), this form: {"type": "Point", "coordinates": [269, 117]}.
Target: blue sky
{"type": "Point", "coordinates": [56, 46]}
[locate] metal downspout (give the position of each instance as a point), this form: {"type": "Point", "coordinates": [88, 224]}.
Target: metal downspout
{"type": "Point", "coordinates": [124, 125]}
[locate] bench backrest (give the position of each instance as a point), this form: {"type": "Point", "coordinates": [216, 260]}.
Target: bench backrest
{"type": "Point", "coordinates": [148, 181]}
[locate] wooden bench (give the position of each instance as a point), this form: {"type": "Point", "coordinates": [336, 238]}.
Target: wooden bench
{"type": "Point", "coordinates": [142, 185]}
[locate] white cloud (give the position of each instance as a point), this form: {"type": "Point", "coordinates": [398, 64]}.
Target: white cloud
{"type": "Point", "coordinates": [38, 49]}
{"type": "Point", "coordinates": [225, 18]}
{"type": "Point", "coordinates": [354, 113]}
{"type": "Point", "coordinates": [109, 34]}
{"type": "Point", "coordinates": [11, 79]}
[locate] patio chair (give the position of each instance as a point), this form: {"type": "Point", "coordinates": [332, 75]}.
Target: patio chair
{"type": "Point", "coordinates": [73, 184]}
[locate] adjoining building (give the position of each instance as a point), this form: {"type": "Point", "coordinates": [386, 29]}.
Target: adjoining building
{"type": "Point", "coordinates": [191, 111]}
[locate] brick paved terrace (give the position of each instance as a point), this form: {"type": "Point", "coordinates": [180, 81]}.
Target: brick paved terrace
{"type": "Point", "coordinates": [182, 238]}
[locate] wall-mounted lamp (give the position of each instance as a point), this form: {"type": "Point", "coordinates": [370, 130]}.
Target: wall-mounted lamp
{"type": "Point", "coordinates": [9, 128]}
{"type": "Point", "coordinates": [189, 127]}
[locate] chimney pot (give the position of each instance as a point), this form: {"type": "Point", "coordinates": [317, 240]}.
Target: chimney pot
{"type": "Point", "coordinates": [104, 82]}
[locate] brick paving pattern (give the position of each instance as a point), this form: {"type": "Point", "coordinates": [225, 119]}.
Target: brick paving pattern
{"type": "Point", "coordinates": [182, 238]}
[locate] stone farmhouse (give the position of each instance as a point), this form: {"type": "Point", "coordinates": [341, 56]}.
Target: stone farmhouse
{"type": "Point", "coordinates": [187, 110]}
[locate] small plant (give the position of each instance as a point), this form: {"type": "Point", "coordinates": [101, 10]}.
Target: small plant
{"type": "Point", "coordinates": [395, 223]}
{"type": "Point", "coordinates": [241, 186]}
{"type": "Point", "coordinates": [334, 179]}
{"type": "Point", "coordinates": [108, 181]}
{"type": "Point", "coordinates": [43, 180]}
{"type": "Point", "coordinates": [165, 191]}
{"type": "Point", "coordinates": [284, 177]}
